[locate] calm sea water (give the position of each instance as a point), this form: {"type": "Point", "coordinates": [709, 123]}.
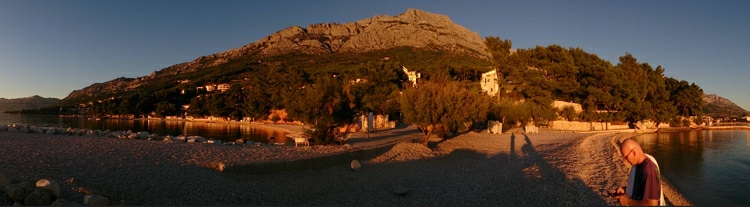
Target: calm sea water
{"type": "Point", "coordinates": [707, 167]}
{"type": "Point", "coordinates": [219, 131]}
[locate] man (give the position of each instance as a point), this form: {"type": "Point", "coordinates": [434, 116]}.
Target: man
{"type": "Point", "coordinates": [644, 184]}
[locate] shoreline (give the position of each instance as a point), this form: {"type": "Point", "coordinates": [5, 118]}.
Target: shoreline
{"type": "Point", "coordinates": [546, 168]}
{"type": "Point", "coordinates": [672, 196]}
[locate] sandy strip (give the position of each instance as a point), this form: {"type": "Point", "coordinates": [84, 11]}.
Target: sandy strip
{"type": "Point", "coordinates": [470, 169]}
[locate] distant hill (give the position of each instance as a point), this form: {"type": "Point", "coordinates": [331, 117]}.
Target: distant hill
{"type": "Point", "coordinates": [717, 106]}
{"type": "Point", "coordinates": [34, 102]}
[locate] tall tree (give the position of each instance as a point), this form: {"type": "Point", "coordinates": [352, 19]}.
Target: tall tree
{"type": "Point", "coordinates": [633, 106]}
{"type": "Point", "coordinates": [442, 102]}
{"type": "Point", "coordinates": [686, 97]}
{"type": "Point", "coordinates": [328, 104]}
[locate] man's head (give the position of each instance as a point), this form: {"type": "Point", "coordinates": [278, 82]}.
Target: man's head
{"type": "Point", "coordinates": [631, 152]}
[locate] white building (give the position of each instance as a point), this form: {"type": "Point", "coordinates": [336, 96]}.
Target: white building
{"type": "Point", "coordinates": [210, 87]}
{"type": "Point", "coordinates": [413, 76]}
{"type": "Point", "coordinates": [223, 87]}
{"type": "Point", "coordinates": [489, 83]}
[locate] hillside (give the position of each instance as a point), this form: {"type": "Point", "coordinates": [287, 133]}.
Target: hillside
{"type": "Point", "coordinates": [34, 102]}
{"type": "Point", "coordinates": [366, 63]}
{"type": "Point", "coordinates": [717, 106]}
{"type": "Point", "coordinates": [330, 43]}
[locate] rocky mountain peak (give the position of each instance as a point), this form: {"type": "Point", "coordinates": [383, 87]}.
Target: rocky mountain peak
{"type": "Point", "coordinates": [715, 105]}
{"type": "Point", "coordinates": [413, 28]}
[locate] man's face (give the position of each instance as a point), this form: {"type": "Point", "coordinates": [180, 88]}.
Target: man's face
{"type": "Point", "coordinates": [628, 155]}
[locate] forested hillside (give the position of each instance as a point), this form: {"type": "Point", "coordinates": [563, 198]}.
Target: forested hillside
{"type": "Point", "coordinates": [626, 91]}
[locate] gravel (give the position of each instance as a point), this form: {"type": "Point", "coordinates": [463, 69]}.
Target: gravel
{"type": "Point", "coordinates": [470, 169]}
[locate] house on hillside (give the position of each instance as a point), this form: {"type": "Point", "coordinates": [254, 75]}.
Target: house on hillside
{"type": "Point", "coordinates": [489, 83]}
{"type": "Point", "coordinates": [358, 80]}
{"type": "Point", "coordinates": [223, 87]}
{"type": "Point", "coordinates": [210, 87]}
{"type": "Point", "coordinates": [708, 120]}
{"type": "Point", "coordinates": [413, 76]}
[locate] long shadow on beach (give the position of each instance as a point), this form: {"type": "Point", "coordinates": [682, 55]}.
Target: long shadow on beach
{"type": "Point", "coordinates": [462, 177]}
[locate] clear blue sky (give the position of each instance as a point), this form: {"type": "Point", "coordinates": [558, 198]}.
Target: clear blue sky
{"type": "Point", "coordinates": [50, 48]}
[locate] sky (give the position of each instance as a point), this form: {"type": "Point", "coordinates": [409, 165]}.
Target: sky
{"type": "Point", "coordinates": [50, 48]}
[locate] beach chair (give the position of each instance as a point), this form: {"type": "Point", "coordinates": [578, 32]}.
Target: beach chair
{"type": "Point", "coordinates": [300, 141]}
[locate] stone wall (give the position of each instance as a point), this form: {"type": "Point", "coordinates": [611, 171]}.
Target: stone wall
{"type": "Point", "coordinates": [584, 126]}
{"type": "Point", "coordinates": [597, 126]}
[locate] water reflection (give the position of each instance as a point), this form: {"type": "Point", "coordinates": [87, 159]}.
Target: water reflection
{"type": "Point", "coordinates": [219, 131]}
{"type": "Point", "coordinates": [708, 167]}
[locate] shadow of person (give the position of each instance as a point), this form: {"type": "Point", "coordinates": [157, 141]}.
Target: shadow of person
{"type": "Point", "coordinates": [551, 184]}
{"type": "Point", "coordinates": [512, 155]}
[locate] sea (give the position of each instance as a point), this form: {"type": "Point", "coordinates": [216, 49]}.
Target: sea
{"type": "Point", "coordinates": [709, 167]}
{"type": "Point", "coordinates": [218, 131]}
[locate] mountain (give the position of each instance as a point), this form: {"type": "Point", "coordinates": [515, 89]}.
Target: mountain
{"type": "Point", "coordinates": [34, 102]}
{"type": "Point", "coordinates": [717, 106]}
{"type": "Point", "coordinates": [411, 29]}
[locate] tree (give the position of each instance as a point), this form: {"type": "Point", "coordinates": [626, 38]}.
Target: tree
{"type": "Point", "coordinates": [633, 94]}
{"type": "Point", "coordinates": [501, 58]}
{"type": "Point", "coordinates": [687, 98]}
{"type": "Point", "coordinates": [509, 112]}
{"type": "Point", "coordinates": [569, 113]}
{"type": "Point", "coordinates": [442, 102]}
{"type": "Point", "coordinates": [164, 108]}
{"type": "Point", "coordinates": [258, 103]}
{"type": "Point", "coordinates": [328, 104]}
{"type": "Point", "coordinates": [599, 84]}
{"type": "Point", "coordinates": [375, 91]}
{"type": "Point", "coordinates": [662, 110]}
{"type": "Point", "coordinates": [197, 107]}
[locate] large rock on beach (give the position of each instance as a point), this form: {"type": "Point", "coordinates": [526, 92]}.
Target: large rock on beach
{"type": "Point", "coordinates": [143, 135]}
{"type": "Point", "coordinates": [401, 190]}
{"type": "Point", "coordinates": [17, 192]}
{"type": "Point", "coordinates": [154, 137]}
{"type": "Point", "coordinates": [37, 129]}
{"type": "Point", "coordinates": [3, 128]}
{"type": "Point", "coordinates": [197, 139]}
{"type": "Point", "coordinates": [11, 129]}
{"type": "Point", "coordinates": [49, 185]}
{"type": "Point", "coordinates": [50, 131]}
{"type": "Point", "coordinates": [356, 166]}
{"type": "Point", "coordinates": [95, 200]}
{"type": "Point", "coordinates": [179, 138]}
{"type": "Point", "coordinates": [38, 198]}
{"type": "Point", "coordinates": [23, 129]}
{"type": "Point", "coordinates": [4, 181]}
{"type": "Point", "coordinates": [62, 202]}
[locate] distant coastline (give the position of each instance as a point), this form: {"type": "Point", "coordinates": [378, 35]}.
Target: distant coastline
{"type": "Point", "coordinates": [289, 127]}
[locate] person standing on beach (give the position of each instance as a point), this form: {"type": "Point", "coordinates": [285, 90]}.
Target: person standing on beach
{"type": "Point", "coordinates": [644, 182]}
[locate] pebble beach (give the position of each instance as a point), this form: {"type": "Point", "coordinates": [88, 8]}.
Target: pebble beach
{"type": "Point", "coordinates": [548, 168]}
